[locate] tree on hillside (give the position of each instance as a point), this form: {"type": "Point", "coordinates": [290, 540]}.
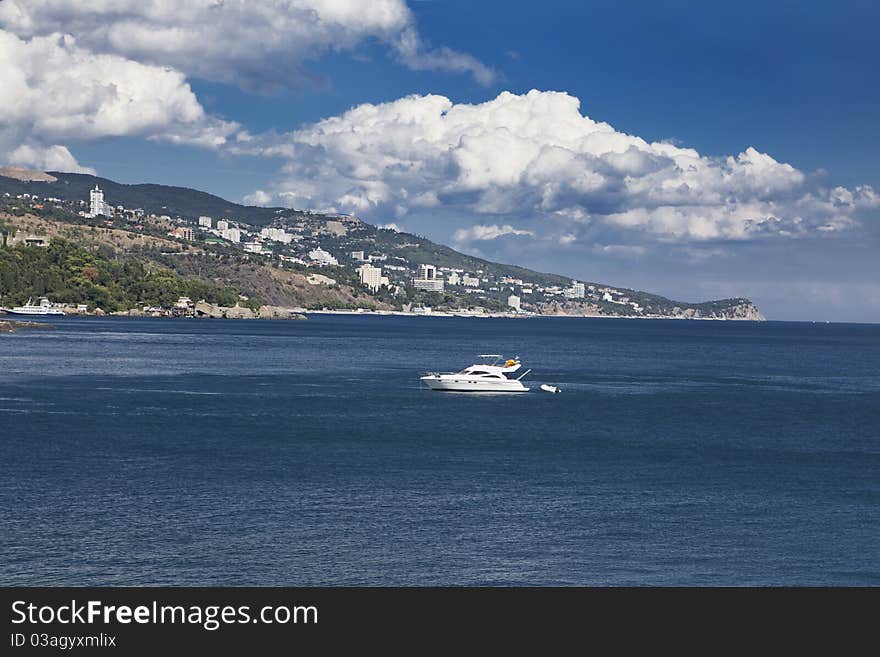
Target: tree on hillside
{"type": "Point", "coordinates": [6, 229]}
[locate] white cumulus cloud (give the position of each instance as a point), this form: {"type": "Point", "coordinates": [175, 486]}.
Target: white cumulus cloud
{"type": "Point", "coordinates": [47, 158]}
{"type": "Point", "coordinates": [535, 157]}
{"type": "Point", "coordinates": [484, 232]}
{"type": "Point", "coordinates": [74, 71]}
{"type": "Point", "coordinates": [54, 90]}
{"type": "Point", "coordinates": [251, 43]}
{"type": "Point", "coordinates": [258, 197]}
{"type": "Point", "coordinates": [620, 249]}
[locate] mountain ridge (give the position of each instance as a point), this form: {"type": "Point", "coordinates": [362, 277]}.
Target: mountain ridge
{"type": "Point", "coordinates": [182, 201]}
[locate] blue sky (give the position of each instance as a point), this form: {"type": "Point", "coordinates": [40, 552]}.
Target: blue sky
{"type": "Point", "coordinates": [794, 81]}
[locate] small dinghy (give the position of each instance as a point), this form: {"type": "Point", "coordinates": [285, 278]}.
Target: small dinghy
{"type": "Point", "coordinates": [548, 388]}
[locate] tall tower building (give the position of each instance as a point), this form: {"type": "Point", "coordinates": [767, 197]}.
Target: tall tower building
{"type": "Point", "coordinates": [96, 202]}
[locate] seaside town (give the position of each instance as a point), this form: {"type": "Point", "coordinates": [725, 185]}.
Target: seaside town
{"type": "Point", "coordinates": [384, 270]}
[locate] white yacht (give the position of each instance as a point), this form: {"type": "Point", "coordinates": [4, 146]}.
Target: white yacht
{"type": "Point", "coordinates": [44, 307]}
{"type": "Point", "coordinates": [489, 375]}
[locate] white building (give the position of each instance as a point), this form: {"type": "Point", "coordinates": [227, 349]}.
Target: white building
{"type": "Point", "coordinates": [470, 281]}
{"type": "Point", "coordinates": [357, 255]}
{"type": "Point", "coordinates": [322, 257]}
{"type": "Point", "coordinates": [427, 279]}
{"type": "Point", "coordinates": [453, 278]}
{"type": "Point", "coordinates": [253, 247]}
{"type": "Point", "coordinates": [231, 234]}
{"type": "Point", "coordinates": [277, 235]}
{"type": "Point", "coordinates": [513, 302]}
{"type": "Point", "coordinates": [435, 285]}
{"type": "Point", "coordinates": [372, 277]}
{"type": "Point", "coordinates": [576, 291]}
{"type": "Point", "coordinates": [184, 233]}
{"type": "Point", "coordinates": [205, 222]}
{"type": "Point", "coordinates": [96, 203]}
{"type": "Point", "coordinates": [222, 225]}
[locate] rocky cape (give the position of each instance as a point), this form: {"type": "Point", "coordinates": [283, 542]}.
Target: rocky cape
{"type": "Point", "coordinates": [732, 309]}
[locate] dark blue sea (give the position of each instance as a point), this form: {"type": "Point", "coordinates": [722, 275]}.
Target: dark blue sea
{"type": "Point", "coordinates": [212, 452]}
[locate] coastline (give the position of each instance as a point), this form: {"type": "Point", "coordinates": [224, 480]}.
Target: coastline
{"type": "Point", "coordinates": [302, 313]}
{"type": "Point", "coordinates": [514, 315]}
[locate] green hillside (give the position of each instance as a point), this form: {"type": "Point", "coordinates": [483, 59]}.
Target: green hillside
{"type": "Point", "coordinates": [72, 275]}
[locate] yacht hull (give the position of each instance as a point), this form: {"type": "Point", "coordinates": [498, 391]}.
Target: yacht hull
{"type": "Point", "coordinates": [35, 313]}
{"type": "Point", "coordinates": [462, 384]}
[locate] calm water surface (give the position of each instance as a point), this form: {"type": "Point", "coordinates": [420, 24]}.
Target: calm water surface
{"type": "Point", "coordinates": [304, 453]}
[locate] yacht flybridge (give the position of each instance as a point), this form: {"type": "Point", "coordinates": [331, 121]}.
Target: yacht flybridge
{"type": "Point", "coordinates": [490, 374]}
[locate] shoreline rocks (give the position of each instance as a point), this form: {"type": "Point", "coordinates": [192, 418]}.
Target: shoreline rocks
{"type": "Point", "coordinates": [205, 309]}
{"type": "Point", "coordinates": [7, 326]}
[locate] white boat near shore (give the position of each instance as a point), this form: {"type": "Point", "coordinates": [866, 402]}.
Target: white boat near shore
{"type": "Point", "coordinates": [489, 375]}
{"type": "Point", "coordinates": [44, 307]}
